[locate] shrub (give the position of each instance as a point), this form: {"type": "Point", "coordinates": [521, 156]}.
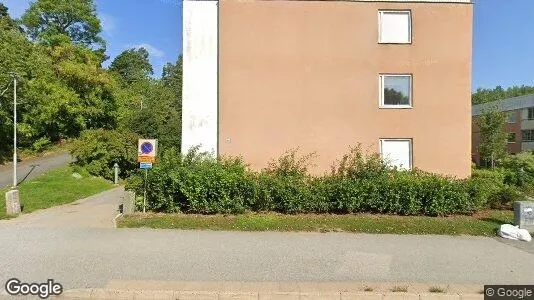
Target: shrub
{"type": "Point", "coordinates": [98, 151]}
{"type": "Point", "coordinates": [196, 183]}
{"type": "Point", "coordinates": [485, 186]}
{"type": "Point", "coordinates": [519, 170]}
{"type": "Point", "coordinates": [356, 164]}
{"type": "Point", "coordinates": [199, 183]}
{"type": "Point", "coordinates": [505, 197]}
{"type": "Point", "coordinates": [41, 144]}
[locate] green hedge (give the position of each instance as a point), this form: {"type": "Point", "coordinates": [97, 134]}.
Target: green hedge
{"type": "Point", "coordinates": [198, 183]}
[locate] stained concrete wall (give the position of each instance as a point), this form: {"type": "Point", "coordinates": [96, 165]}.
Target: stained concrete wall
{"type": "Point", "coordinates": [199, 92]}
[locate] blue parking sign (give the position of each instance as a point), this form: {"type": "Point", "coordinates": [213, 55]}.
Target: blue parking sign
{"type": "Point", "coordinates": [145, 165]}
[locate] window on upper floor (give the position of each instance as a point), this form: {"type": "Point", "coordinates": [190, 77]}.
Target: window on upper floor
{"type": "Point", "coordinates": [530, 113]}
{"type": "Point", "coordinates": [395, 91]}
{"type": "Point", "coordinates": [394, 27]}
{"type": "Point", "coordinates": [511, 117]}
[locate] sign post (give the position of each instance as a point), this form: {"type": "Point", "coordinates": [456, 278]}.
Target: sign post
{"type": "Point", "coordinates": [146, 156]}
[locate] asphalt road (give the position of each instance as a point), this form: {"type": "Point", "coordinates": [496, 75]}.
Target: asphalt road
{"type": "Point", "coordinates": [30, 169]}
{"type": "Point", "coordinates": [61, 244]}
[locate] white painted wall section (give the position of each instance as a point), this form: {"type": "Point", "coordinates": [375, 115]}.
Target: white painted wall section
{"type": "Point", "coordinates": [200, 75]}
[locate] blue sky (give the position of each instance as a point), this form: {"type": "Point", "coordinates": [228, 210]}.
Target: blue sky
{"type": "Point", "coordinates": [503, 35]}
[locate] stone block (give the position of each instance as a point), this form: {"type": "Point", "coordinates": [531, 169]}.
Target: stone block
{"type": "Point", "coordinates": [12, 203]}
{"type": "Point", "coordinates": [128, 207]}
{"type": "Point", "coordinates": [524, 215]}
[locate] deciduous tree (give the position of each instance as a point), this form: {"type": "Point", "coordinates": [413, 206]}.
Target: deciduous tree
{"type": "Point", "coordinates": [493, 137]}
{"type": "Point", "coordinates": [49, 21]}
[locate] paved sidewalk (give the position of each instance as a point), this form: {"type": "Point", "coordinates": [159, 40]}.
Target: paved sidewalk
{"type": "Point", "coordinates": [98, 211]}
{"type": "Point", "coordinates": [33, 168]}
{"type": "Point", "coordinates": [78, 246]}
{"type": "Point", "coordinates": [101, 294]}
{"type": "Point", "coordinates": [275, 290]}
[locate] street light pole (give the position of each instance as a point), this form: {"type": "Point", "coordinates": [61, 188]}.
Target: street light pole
{"type": "Point", "coordinates": [14, 129]}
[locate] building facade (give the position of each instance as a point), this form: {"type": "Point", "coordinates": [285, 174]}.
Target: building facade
{"type": "Point", "coordinates": [262, 77]}
{"type": "Point", "coordinates": [519, 124]}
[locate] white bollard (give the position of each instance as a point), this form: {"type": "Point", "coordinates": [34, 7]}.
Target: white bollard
{"type": "Point", "coordinates": [116, 166]}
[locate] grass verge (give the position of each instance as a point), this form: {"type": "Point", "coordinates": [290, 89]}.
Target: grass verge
{"type": "Point", "coordinates": [483, 223]}
{"type": "Point", "coordinates": [55, 188]}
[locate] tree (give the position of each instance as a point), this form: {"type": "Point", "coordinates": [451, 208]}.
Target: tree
{"type": "Point", "coordinates": [493, 138]}
{"type": "Point", "coordinates": [498, 93]}
{"type": "Point", "coordinates": [132, 65]}
{"type": "Point", "coordinates": [50, 21]}
{"type": "Point", "coordinates": [78, 96]}
{"type": "Point", "coordinates": [395, 97]}
{"type": "Point", "coordinates": [15, 56]}
{"type": "Point", "coordinates": [6, 22]}
{"type": "Point", "coordinates": [172, 77]}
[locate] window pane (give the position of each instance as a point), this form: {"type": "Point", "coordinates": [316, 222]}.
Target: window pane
{"type": "Point", "coordinates": [397, 153]}
{"type": "Point", "coordinates": [531, 113]}
{"type": "Point", "coordinates": [395, 27]}
{"type": "Point", "coordinates": [397, 90]}
{"type": "Point", "coordinates": [526, 135]}
{"type": "Point", "coordinates": [511, 117]}
{"type": "Point", "coordinates": [511, 137]}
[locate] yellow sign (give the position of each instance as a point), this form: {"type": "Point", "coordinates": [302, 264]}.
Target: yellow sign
{"type": "Point", "coordinates": [146, 159]}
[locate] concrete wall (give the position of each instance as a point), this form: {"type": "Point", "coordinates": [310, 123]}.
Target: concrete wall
{"type": "Point", "coordinates": [199, 92]}
{"type": "Point", "coordinates": [305, 74]}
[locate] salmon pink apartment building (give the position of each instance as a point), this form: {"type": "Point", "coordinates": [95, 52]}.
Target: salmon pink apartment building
{"type": "Point", "coordinates": [265, 76]}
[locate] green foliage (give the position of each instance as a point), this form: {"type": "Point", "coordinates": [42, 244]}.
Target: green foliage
{"type": "Point", "coordinates": [493, 137]}
{"type": "Point", "coordinates": [132, 65]}
{"type": "Point", "coordinates": [63, 89]}
{"type": "Point", "coordinates": [498, 93]}
{"type": "Point", "coordinates": [519, 170]}
{"type": "Point", "coordinates": [47, 21]}
{"type": "Point", "coordinates": [98, 151]}
{"type": "Point", "coordinates": [195, 183]}
{"type": "Point", "coordinates": [152, 108]}
{"type": "Point", "coordinates": [41, 144]}
{"type": "Point", "coordinates": [198, 183]}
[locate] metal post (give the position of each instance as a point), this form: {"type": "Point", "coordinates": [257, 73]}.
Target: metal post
{"type": "Point", "coordinates": [14, 131]}
{"type": "Point", "coordinates": [116, 166]}
{"type": "Point", "coordinates": [144, 196]}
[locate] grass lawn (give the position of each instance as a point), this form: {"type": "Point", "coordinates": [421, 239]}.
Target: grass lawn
{"type": "Point", "coordinates": [483, 223]}
{"type": "Point", "coordinates": [55, 188]}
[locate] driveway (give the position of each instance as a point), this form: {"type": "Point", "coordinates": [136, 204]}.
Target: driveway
{"type": "Point", "coordinates": [78, 246]}
{"type": "Point", "coordinates": [32, 168]}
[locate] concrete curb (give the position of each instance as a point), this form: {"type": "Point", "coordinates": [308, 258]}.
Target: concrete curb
{"type": "Point", "coordinates": [102, 294]}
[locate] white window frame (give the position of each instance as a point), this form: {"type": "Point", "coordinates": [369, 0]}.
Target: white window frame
{"type": "Point", "coordinates": [401, 140]}
{"type": "Point", "coordinates": [530, 113]}
{"type": "Point", "coordinates": [385, 11]}
{"type": "Point", "coordinates": [381, 99]}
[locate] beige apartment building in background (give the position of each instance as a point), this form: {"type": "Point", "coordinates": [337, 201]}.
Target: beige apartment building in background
{"type": "Point", "coordinates": [262, 77]}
